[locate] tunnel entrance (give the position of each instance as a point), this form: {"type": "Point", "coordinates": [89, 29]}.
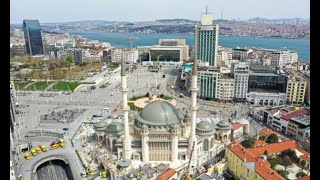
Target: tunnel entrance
{"type": "Point", "coordinates": [54, 170]}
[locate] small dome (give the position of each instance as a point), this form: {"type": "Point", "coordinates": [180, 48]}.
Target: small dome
{"type": "Point", "coordinates": [205, 126]}
{"type": "Point", "coordinates": [115, 127]}
{"type": "Point", "coordinates": [187, 115]}
{"type": "Point", "coordinates": [144, 126]}
{"type": "Point", "coordinates": [175, 126]}
{"type": "Point", "coordinates": [101, 125]}
{"type": "Point", "coordinates": [224, 125]}
{"type": "Point", "coordinates": [132, 116]}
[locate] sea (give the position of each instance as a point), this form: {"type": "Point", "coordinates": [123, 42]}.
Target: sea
{"type": "Point", "coordinates": [122, 40]}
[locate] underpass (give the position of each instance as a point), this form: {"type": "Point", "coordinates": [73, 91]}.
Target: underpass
{"type": "Point", "coordinates": [53, 170]}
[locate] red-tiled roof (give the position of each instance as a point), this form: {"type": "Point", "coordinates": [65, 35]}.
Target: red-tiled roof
{"type": "Point", "coordinates": [306, 157]}
{"type": "Point", "coordinates": [241, 152]}
{"type": "Point", "coordinates": [259, 143]}
{"type": "Point", "coordinates": [299, 112]}
{"type": "Point", "coordinates": [304, 178]}
{"type": "Point", "coordinates": [236, 126]}
{"type": "Point", "coordinates": [167, 174]}
{"type": "Point", "coordinates": [277, 147]}
{"type": "Point", "coordinates": [264, 170]}
{"type": "Point", "coordinates": [268, 132]}
{"type": "Point", "coordinates": [261, 167]}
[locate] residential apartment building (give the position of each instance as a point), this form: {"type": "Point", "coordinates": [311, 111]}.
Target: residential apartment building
{"type": "Point", "coordinates": [241, 53]}
{"type": "Point", "coordinates": [296, 90]}
{"type": "Point", "coordinates": [248, 166]}
{"type": "Point", "coordinates": [299, 127]}
{"type": "Point", "coordinates": [276, 148]}
{"type": "Point", "coordinates": [281, 121]}
{"type": "Point", "coordinates": [226, 86]}
{"type": "Point", "coordinates": [77, 57]}
{"type": "Point", "coordinates": [237, 131]}
{"type": "Point", "coordinates": [116, 55]}
{"type": "Point", "coordinates": [208, 80]}
{"type": "Point", "coordinates": [224, 55]}
{"type": "Point", "coordinates": [283, 57]}
{"type": "Point", "coordinates": [130, 56]}
{"type": "Point", "coordinates": [207, 37]}
{"type": "Point", "coordinates": [241, 77]}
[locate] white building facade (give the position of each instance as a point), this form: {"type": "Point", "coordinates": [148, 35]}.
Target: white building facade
{"type": "Point", "coordinates": [241, 77]}
{"type": "Point", "coordinates": [116, 55]}
{"type": "Point", "coordinates": [226, 87]}
{"type": "Point", "coordinates": [266, 99]}
{"type": "Point", "coordinates": [283, 57]}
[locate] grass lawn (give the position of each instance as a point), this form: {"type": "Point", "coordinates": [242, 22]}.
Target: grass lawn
{"type": "Point", "coordinates": [63, 86]}
{"type": "Point", "coordinates": [133, 107]}
{"type": "Point", "coordinates": [39, 86]}
{"type": "Point", "coordinates": [113, 66]}
{"type": "Point", "coordinates": [166, 97]}
{"type": "Point", "coordinates": [135, 98]}
{"type": "Point", "coordinates": [20, 85]}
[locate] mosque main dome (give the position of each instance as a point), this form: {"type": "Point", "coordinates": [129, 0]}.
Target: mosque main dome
{"type": "Point", "coordinates": [159, 113]}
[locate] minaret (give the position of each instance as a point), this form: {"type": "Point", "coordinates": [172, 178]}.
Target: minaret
{"type": "Point", "coordinates": [127, 139]}
{"type": "Point", "coordinates": [194, 89]}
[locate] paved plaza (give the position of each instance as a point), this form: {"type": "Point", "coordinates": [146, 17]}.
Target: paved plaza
{"type": "Point", "coordinates": [39, 109]}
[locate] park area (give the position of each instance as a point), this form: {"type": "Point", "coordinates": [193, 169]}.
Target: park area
{"type": "Point", "coordinates": [65, 86]}
{"type": "Point", "coordinates": [38, 86]}
{"type": "Point", "coordinates": [20, 85]}
{"type": "Point", "coordinates": [139, 102]}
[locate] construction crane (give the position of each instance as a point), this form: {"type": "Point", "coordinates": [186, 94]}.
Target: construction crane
{"type": "Point", "coordinates": [131, 40]}
{"type": "Point", "coordinates": [186, 175]}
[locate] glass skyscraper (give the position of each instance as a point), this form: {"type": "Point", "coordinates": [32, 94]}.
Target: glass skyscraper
{"type": "Point", "coordinates": [207, 37]}
{"type": "Point", "coordinates": [33, 37]}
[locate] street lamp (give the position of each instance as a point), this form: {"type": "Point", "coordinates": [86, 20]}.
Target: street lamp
{"type": "Point", "coordinates": [158, 69]}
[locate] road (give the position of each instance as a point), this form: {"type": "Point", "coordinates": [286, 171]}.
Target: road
{"type": "Point", "coordinates": [53, 170]}
{"type": "Point", "coordinates": [139, 82]}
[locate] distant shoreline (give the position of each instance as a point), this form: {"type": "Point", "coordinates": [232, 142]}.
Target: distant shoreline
{"type": "Point", "coordinates": [121, 40]}
{"type": "Point", "coordinates": [274, 37]}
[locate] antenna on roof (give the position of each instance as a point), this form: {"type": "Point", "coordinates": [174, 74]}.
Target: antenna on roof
{"type": "Point", "coordinates": [206, 8]}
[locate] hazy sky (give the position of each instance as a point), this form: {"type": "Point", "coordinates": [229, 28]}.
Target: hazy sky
{"type": "Point", "coordinates": [146, 10]}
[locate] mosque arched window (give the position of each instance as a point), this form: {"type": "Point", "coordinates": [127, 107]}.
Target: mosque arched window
{"type": "Point", "coordinates": [205, 145]}
{"type": "Point", "coordinates": [211, 143]}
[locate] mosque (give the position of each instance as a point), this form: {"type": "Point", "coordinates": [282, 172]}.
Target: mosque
{"type": "Point", "coordinates": [161, 134]}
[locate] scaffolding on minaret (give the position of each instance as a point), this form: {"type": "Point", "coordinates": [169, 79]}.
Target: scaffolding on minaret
{"type": "Point", "coordinates": [186, 175]}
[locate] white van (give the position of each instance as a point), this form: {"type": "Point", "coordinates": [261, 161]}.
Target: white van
{"type": "Point", "coordinates": [105, 109]}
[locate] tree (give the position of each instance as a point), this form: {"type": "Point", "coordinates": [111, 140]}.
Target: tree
{"type": "Point", "coordinates": [273, 138]}
{"type": "Point", "coordinates": [286, 161]}
{"type": "Point", "coordinates": [283, 173]}
{"type": "Point", "coordinates": [249, 142]}
{"type": "Point", "coordinates": [274, 161]}
{"type": "Point", "coordinates": [291, 153]}
{"type": "Point", "coordinates": [303, 164]}
{"type": "Point", "coordinates": [265, 152]}
{"type": "Point", "coordinates": [263, 137]}
{"type": "Point", "coordinates": [69, 59]}
{"type": "Point", "coordinates": [300, 174]}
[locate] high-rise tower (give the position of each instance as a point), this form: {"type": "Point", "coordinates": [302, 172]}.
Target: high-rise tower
{"type": "Point", "coordinates": [208, 37]}
{"type": "Point", "coordinates": [33, 37]}
{"type": "Point", "coordinates": [127, 138]}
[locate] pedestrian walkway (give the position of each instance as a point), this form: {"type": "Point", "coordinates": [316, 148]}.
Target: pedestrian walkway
{"type": "Point", "coordinates": [28, 85]}
{"type": "Point", "coordinates": [50, 86]}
